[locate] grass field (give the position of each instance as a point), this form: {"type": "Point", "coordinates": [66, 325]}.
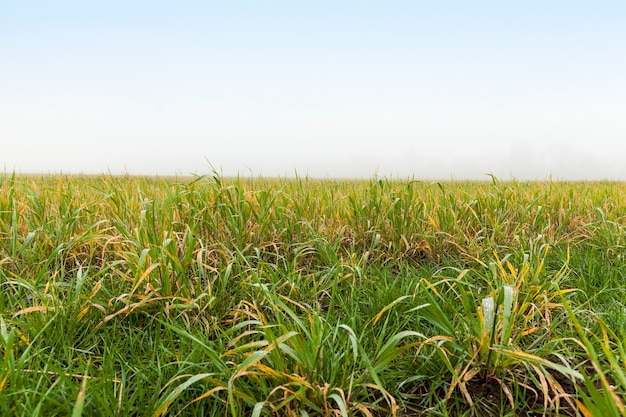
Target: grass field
{"type": "Point", "coordinates": [127, 296]}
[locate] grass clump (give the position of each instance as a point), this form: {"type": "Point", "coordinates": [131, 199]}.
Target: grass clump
{"type": "Point", "coordinates": [216, 296]}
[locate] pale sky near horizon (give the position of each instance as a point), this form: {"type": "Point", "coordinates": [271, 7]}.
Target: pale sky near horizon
{"type": "Point", "coordinates": [433, 90]}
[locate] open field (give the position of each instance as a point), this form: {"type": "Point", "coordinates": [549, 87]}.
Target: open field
{"type": "Point", "coordinates": [134, 296]}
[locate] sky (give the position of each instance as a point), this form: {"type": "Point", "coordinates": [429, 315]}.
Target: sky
{"type": "Point", "coordinates": [343, 88]}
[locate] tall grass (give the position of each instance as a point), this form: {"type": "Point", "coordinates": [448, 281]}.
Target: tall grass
{"type": "Point", "coordinates": [217, 296]}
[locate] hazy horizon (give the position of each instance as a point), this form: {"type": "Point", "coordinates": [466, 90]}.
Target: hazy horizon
{"type": "Point", "coordinates": [325, 89]}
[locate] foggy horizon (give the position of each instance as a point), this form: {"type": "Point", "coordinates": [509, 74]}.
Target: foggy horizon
{"type": "Point", "coordinates": [440, 91]}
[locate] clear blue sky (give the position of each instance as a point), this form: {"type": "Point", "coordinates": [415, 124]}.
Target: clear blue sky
{"type": "Point", "coordinates": [325, 88]}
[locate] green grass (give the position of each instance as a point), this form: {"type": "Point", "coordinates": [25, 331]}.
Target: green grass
{"type": "Point", "coordinates": [234, 297]}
